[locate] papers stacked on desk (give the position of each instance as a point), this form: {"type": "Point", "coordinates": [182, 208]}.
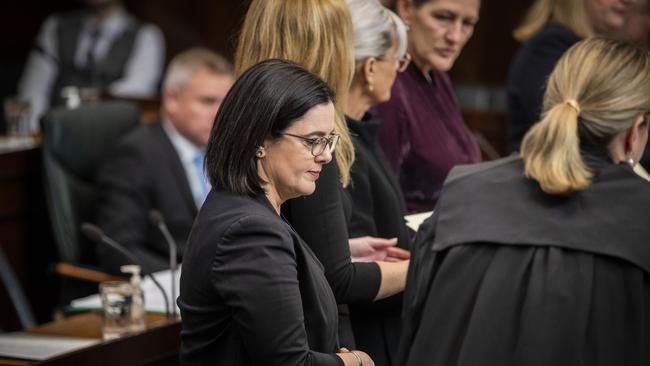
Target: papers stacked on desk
{"type": "Point", "coordinates": [40, 347]}
{"type": "Point", "coordinates": [17, 143]}
{"type": "Point", "coordinates": [153, 298]}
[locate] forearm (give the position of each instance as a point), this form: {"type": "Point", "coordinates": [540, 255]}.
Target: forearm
{"type": "Point", "coordinates": [144, 67]}
{"type": "Point", "coordinates": [41, 70]}
{"type": "Point", "coordinates": [355, 358]}
{"type": "Point", "coordinates": [348, 359]}
{"type": "Point", "coordinates": [393, 278]}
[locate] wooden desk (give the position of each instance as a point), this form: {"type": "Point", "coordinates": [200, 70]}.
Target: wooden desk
{"type": "Point", "coordinates": [159, 344]}
{"type": "Point", "coordinates": [25, 233]}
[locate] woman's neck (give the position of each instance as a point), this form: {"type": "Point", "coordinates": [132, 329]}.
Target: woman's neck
{"type": "Point", "coordinates": [274, 198]}
{"type": "Point", "coordinates": [357, 102]}
{"type": "Point", "coordinates": [270, 191]}
{"type": "Point", "coordinates": [421, 64]}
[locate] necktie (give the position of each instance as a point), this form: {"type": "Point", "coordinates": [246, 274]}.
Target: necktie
{"type": "Point", "coordinates": [90, 56]}
{"type": "Point", "coordinates": [203, 184]}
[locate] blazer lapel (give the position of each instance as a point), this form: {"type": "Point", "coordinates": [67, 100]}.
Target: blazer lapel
{"type": "Point", "coordinates": [174, 163]}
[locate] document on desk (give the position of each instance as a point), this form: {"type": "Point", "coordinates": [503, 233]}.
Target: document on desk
{"type": "Point", "coordinates": [153, 298]}
{"type": "Point", "coordinates": [40, 347]}
{"type": "Point", "coordinates": [413, 221]}
{"type": "Point", "coordinates": [17, 143]}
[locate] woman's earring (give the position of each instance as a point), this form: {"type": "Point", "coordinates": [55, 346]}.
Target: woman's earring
{"type": "Point", "coordinates": [630, 162]}
{"type": "Point", "coordinates": [260, 152]}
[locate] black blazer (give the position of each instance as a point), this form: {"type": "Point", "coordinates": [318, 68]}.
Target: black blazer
{"type": "Point", "coordinates": [527, 78]}
{"type": "Point", "coordinates": [322, 219]}
{"type": "Point", "coordinates": [378, 209]}
{"type": "Point", "coordinates": [252, 292]}
{"type": "Point", "coordinates": [378, 206]}
{"type": "Point", "coordinates": [143, 172]}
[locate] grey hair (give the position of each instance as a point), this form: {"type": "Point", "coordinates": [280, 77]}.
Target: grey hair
{"type": "Point", "coordinates": [183, 67]}
{"type": "Point", "coordinates": [374, 26]}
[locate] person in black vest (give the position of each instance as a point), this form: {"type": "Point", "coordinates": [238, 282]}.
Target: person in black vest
{"type": "Point", "coordinates": [543, 258]}
{"type": "Point", "coordinates": [160, 165]}
{"type": "Point", "coordinates": [101, 48]}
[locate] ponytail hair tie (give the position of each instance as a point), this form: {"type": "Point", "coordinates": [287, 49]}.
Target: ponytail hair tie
{"type": "Point", "coordinates": [573, 104]}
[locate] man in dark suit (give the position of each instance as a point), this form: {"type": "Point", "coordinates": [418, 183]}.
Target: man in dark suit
{"type": "Point", "coordinates": [160, 165]}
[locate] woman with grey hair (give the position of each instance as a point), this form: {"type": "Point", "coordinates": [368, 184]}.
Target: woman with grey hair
{"type": "Point", "coordinates": [377, 203]}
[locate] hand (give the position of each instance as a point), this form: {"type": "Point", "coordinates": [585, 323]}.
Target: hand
{"type": "Point", "coordinates": [368, 249]}
{"type": "Point", "coordinates": [350, 359]}
{"type": "Point", "coordinates": [395, 254]}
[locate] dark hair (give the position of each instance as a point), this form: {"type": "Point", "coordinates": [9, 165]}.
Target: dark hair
{"type": "Point", "coordinates": [267, 99]}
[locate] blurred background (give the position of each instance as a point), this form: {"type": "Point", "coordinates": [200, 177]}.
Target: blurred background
{"type": "Point", "coordinates": [25, 231]}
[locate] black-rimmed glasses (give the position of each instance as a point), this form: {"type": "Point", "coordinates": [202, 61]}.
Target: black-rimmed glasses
{"type": "Point", "coordinates": [318, 144]}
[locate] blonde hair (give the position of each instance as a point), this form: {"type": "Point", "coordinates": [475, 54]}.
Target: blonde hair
{"type": "Point", "coordinates": [314, 33]}
{"type": "Point", "coordinates": [596, 91]}
{"type": "Point", "coordinates": [187, 63]}
{"type": "Point", "coordinates": [571, 14]}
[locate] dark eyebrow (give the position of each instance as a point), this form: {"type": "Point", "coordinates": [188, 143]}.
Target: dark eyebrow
{"type": "Point", "coordinates": [320, 133]}
{"type": "Point", "coordinates": [445, 12]}
{"type": "Point", "coordinates": [208, 99]}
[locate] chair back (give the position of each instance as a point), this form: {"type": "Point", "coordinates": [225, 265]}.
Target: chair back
{"type": "Point", "coordinates": [74, 145]}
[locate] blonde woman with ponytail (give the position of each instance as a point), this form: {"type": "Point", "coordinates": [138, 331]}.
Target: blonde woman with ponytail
{"type": "Point", "coordinates": [549, 28]}
{"type": "Point", "coordinates": [543, 258]}
{"type": "Point", "coordinates": [317, 34]}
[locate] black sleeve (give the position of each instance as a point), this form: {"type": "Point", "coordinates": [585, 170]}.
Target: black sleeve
{"type": "Point", "coordinates": [320, 220]}
{"type": "Point", "coordinates": [123, 209]}
{"type": "Point", "coordinates": [360, 192]}
{"type": "Point", "coordinates": [419, 275]}
{"type": "Point", "coordinates": [256, 274]}
{"type": "Point", "coordinates": [526, 84]}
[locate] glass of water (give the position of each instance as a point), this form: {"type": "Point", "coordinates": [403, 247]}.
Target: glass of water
{"type": "Point", "coordinates": [117, 300]}
{"type": "Point", "coordinates": [18, 117]}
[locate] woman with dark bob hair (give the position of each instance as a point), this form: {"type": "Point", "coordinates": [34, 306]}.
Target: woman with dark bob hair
{"type": "Point", "coordinates": [252, 292]}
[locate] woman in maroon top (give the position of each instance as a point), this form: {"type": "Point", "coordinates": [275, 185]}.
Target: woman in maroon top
{"type": "Point", "coordinates": [423, 133]}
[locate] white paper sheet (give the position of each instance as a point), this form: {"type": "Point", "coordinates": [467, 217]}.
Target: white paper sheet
{"type": "Point", "coordinates": [17, 143]}
{"type": "Point", "coordinates": [40, 347]}
{"type": "Point", "coordinates": [413, 221]}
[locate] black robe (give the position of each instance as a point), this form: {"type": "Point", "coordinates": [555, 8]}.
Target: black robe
{"type": "Point", "coordinates": [504, 274]}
